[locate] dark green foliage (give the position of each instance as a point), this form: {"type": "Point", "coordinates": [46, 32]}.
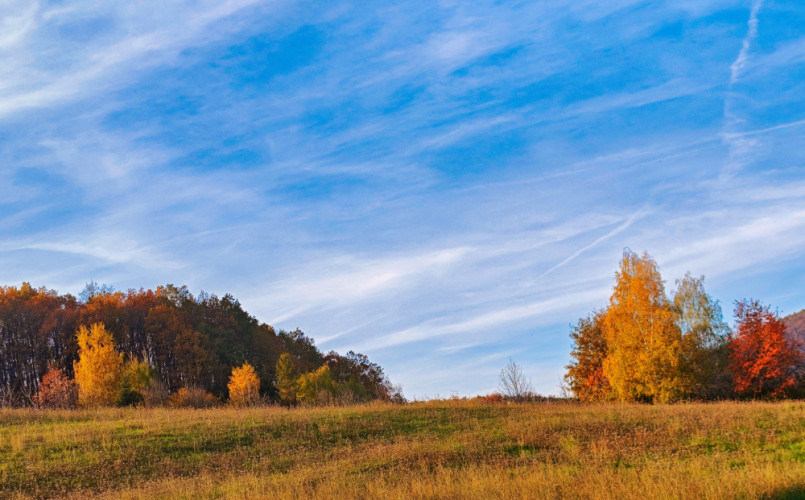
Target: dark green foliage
{"type": "Point", "coordinates": [364, 379]}
{"type": "Point", "coordinates": [302, 347]}
{"type": "Point", "coordinates": [129, 397]}
{"type": "Point", "coordinates": [189, 341]}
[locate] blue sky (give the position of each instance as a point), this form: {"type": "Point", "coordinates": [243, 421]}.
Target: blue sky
{"type": "Point", "coordinates": [440, 185]}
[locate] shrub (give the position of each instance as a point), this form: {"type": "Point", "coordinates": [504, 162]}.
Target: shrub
{"type": "Point", "coordinates": [129, 397]}
{"type": "Point", "coordinates": [192, 397]}
{"type": "Point", "coordinates": [156, 394]}
{"type": "Point", "coordinates": [56, 390]}
{"type": "Point", "coordinates": [494, 398]}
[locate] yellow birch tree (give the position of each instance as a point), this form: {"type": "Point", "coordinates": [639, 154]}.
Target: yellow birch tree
{"type": "Point", "coordinates": [98, 368]}
{"type": "Point", "coordinates": [244, 386]}
{"type": "Point", "coordinates": [645, 345]}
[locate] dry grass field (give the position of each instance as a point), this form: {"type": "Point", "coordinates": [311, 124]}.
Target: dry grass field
{"type": "Point", "coordinates": [453, 449]}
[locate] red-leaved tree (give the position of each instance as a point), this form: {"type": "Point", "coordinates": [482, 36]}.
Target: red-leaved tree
{"type": "Point", "coordinates": [56, 390]}
{"type": "Point", "coordinates": [763, 359]}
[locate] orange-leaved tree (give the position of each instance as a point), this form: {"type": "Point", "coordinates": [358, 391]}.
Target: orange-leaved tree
{"type": "Point", "coordinates": [763, 359]}
{"type": "Point", "coordinates": [98, 368]}
{"type": "Point", "coordinates": [585, 373]}
{"type": "Point", "coordinates": [55, 390]}
{"type": "Point", "coordinates": [644, 342]}
{"type": "Point", "coordinates": [244, 386]}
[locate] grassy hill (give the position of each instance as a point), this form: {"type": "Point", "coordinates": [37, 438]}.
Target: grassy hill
{"type": "Point", "coordinates": [424, 450]}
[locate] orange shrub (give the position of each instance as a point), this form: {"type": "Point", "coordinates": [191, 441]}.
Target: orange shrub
{"type": "Point", "coordinates": [192, 397]}
{"type": "Point", "coordinates": [56, 390]}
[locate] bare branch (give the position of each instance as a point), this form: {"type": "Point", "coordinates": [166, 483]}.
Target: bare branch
{"type": "Point", "coordinates": [513, 383]}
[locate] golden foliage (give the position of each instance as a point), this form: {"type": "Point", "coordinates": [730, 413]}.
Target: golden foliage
{"type": "Point", "coordinates": [315, 385]}
{"type": "Point", "coordinates": [99, 367]}
{"type": "Point", "coordinates": [244, 386]}
{"type": "Point", "coordinates": [287, 377]}
{"type": "Point", "coordinates": [643, 339]}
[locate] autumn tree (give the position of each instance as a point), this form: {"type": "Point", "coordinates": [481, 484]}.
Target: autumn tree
{"type": "Point", "coordinates": [98, 368]}
{"type": "Point", "coordinates": [359, 376]}
{"type": "Point", "coordinates": [585, 373]}
{"type": "Point", "coordinates": [135, 381]}
{"type": "Point", "coordinates": [645, 345]}
{"type": "Point", "coordinates": [287, 377]}
{"type": "Point", "coordinates": [174, 346]}
{"type": "Point", "coordinates": [56, 390]}
{"type": "Point", "coordinates": [37, 329]}
{"type": "Point", "coordinates": [244, 386]}
{"type": "Point", "coordinates": [189, 341]}
{"type": "Point", "coordinates": [763, 359]}
{"type": "Point", "coordinates": [704, 338]}
{"type": "Point", "coordinates": [316, 386]}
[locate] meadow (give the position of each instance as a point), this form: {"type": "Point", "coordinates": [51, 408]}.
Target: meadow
{"type": "Point", "coordinates": [439, 449]}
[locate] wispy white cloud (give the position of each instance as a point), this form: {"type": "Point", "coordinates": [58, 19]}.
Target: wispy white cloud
{"type": "Point", "coordinates": [101, 66]}
{"type": "Point", "coordinates": [16, 23]}
{"type": "Point", "coordinates": [342, 281]}
{"type": "Point", "coordinates": [441, 185]}
{"type": "Point", "coordinates": [483, 322]}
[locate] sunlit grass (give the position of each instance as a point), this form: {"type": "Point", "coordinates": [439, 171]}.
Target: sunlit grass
{"type": "Point", "coordinates": [425, 450]}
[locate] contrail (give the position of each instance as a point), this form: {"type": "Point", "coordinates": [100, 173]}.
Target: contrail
{"type": "Point", "coordinates": [624, 226]}
{"type": "Point", "coordinates": [739, 63]}
{"type": "Point", "coordinates": [739, 147]}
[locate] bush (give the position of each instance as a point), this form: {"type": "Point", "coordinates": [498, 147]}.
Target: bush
{"type": "Point", "coordinates": [129, 397]}
{"type": "Point", "coordinates": [491, 399]}
{"type": "Point", "coordinates": [156, 394]}
{"type": "Point", "coordinates": [56, 390]}
{"type": "Point", "coordinates": [134, 381]}
{"type": "Point", "coordinates": [192, 397]}
{"type": "Point", "coordinates": [346, 396]}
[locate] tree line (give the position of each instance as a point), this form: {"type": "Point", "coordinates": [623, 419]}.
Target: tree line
{"type": "Point", "coordinates": [648, 347]}
{"type": "Point", "coordinates": [164, 343]}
